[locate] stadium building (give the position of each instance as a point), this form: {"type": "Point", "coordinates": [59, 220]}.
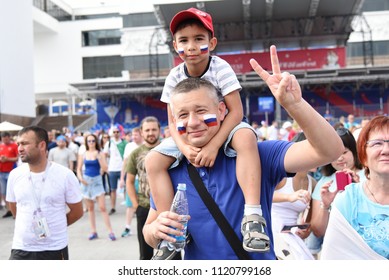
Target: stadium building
{"type": "Point", "coordinates": [88, 64]}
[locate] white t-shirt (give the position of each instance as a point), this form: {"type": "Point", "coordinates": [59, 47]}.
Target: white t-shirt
{"type": "Point", "coordinates": [54, 188]}
{"type": "Point", "coordinates": [115, 159]}
{"type": "Point", "coordinates": [129, 148]}
{"type": "Point", "coordinates": [219, 73]}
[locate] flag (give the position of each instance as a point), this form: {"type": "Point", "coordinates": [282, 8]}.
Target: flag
{"type": "Point", "coordinates": [204, 49]}
{"type": "Point", "coordinates": [210, 119]}
{"type": "Point", "coordinates": [181, 128]}
{"type": "Point", "coordinates": [180, 51]}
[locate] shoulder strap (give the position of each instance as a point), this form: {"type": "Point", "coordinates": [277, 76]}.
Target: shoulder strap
{"type": "Point", "coordinates": [220, 219]}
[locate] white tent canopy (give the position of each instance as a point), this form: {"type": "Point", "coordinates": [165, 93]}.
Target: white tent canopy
{"type": "Point", "coordinates": [7, 126]}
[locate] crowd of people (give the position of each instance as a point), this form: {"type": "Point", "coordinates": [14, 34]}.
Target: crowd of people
{"type": "Point", "coordinates": [277, 187]}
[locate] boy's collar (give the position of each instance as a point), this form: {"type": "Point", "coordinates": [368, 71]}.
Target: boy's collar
{"type": "Point", "coordinates": [202, 74]}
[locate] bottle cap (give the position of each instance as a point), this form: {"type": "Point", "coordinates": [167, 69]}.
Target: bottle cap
{"type": "Point", "coordinates": [181, 187]}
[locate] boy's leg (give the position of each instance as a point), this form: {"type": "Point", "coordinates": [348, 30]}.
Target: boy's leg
{"type": "Point", "coordinates": [161, 186]}
{"type": "Point", "coordinates": [248, 173]}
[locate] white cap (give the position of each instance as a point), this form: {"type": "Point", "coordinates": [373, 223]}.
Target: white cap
{"type": "Point", "coordinates": [286, 125]}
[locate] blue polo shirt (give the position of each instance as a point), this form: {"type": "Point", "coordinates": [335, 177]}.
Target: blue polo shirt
{"type": "Point", "coordinates": [208, 241]}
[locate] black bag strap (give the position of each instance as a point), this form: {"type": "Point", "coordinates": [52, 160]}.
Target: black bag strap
{"type": "Point", "coordinates": [220, 219]}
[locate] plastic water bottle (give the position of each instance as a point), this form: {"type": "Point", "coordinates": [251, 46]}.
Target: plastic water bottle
{"type": "Point", "coordinates": [180, 206]}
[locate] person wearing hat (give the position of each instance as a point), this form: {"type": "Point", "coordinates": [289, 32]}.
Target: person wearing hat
{"type": "Point", "coordinates": [8, 158]}
{"type": "Point", "coordinates": [62, 154]}
{"type": "Point", "coordinates": [193, 40]}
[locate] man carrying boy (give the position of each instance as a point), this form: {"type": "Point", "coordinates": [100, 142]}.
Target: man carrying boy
{"type": "Point", "coordinates": [191, 100]}
{"type": "Point", "coordinates": [193, 40]}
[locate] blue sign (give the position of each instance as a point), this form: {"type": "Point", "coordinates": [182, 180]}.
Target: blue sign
{"type": "Point", "coordinates": [266, 104]}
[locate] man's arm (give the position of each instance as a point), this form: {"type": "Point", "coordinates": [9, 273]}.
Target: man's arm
{"type": "Point", "coordinates": [75, 212]}
{"type": "Point", "coordinates": [323, 145]}
{"type": "Point", "coordinates": [12, 208]}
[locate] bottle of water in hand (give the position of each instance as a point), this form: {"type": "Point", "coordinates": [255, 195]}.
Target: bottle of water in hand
{"type": "Point", "coordinates": [180, 206]}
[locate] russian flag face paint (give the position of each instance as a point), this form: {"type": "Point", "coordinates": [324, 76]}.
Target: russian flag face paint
{"type": "Point", "coordinates": [181, 128]}
{"type": "Point", "coordinates": [210, 119]}
{"type": "Point", "coordinates": [204, 49]}
{"type": "Point", "coordinates": [181, 52]}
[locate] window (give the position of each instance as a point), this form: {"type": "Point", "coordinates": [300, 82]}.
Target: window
{"type": "Point", "coordinates": [101, 37]}
{"type": "Point", "coordinates": [136, 20]}
{"type": "Point", "coordinates": [102, 67]}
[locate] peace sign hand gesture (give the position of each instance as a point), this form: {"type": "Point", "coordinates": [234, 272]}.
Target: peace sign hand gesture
{"type": "Point", "coordinates": [283, 86]}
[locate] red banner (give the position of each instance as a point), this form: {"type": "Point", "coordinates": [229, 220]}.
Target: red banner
{"type": "Point", "coordinates": [331, 58]}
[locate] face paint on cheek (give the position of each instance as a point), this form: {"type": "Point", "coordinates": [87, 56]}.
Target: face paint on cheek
{"type": "Point", "coordinates": [210, 119]}
{"type": "Point", "coordinates": [204, 49]}
{"type": "Point", "coordinates": [181, 128]}
{"type": "Point", "coordinates": [181, 52]}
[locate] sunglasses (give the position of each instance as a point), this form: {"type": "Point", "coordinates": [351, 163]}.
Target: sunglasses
{"type": "Point", "coordinates": [106, 137]}
{"type": "Point", "coordinates": [91, 141]}
{"type": "Point", "coordinates": [116, 132]}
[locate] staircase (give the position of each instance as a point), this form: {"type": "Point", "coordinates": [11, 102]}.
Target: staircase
{"type": "Point", "coordinates": [57, 122]}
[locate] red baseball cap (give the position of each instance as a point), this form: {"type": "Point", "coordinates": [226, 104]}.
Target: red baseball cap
{"type": "Point", "coordinates": [204, 17]}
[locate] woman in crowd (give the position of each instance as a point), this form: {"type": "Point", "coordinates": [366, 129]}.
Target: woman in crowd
{"type": "Point", "coordinates": [291, 204]}
{"type": "Point", "coordinates": [104, 138]}
{"type": "Point", "coordinates": [89, 168]}
{"type": "Point", "coordinates": [359, 222]}
{"type": "Point", "coordinates": [326, 188]}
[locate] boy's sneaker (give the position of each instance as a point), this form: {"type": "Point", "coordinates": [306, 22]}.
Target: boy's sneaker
{"type": "Point", "coordinates": [112, 236]}
{"type": "Point", "coordinates": [126, 232]}
{"type": "Point", "coordinates": [163, 253]}
{"type": "Point", "coordinates": [93, 236]}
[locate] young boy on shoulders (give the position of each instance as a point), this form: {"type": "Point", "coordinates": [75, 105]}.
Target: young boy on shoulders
{"type": "Point", "coordinates": [193, 40]}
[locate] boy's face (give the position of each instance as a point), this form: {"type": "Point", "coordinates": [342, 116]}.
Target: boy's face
{"type": "Point", "coordinates": [193, 45]}
{"type": "Point", "coordinates": [192, 110]}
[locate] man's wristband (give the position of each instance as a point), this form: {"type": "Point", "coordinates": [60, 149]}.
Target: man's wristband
{"type": "Point", "coordinates": [322, 206]}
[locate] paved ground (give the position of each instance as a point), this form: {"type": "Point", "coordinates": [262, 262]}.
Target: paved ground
{"type": "Point", "coordinates": [80, 248]}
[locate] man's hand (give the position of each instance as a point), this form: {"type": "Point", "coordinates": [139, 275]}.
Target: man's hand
{"type": "Point", "coordinates": [166, 224]}
{"type": "Point", "coordinates": [283, 86]}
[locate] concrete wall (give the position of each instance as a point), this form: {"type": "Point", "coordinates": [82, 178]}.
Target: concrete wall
{"type": "Point", "coordinates": [16, 59]}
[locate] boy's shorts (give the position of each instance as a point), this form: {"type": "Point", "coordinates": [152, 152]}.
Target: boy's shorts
{"type": "Point", "coordinates": [169, 148]}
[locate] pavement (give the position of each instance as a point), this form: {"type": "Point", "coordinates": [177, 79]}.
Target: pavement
{"type": "Point", "coordinates": [80, 248]}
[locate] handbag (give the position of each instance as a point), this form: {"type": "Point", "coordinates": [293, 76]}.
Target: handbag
{"type": "Point", "coordinates": [217, 214]}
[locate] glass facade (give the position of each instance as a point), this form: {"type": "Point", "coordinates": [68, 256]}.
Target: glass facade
{"type": "Point", "coordinates": [101, 37]}
{"type": "Point", "coordinates": [102, 67]}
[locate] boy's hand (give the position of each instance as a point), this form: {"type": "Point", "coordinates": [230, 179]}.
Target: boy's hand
{"type": "Point", "coordinates": [191, 153]}
{"type": "Point", "coordinates": [284, 86]}
{"type": "Point", "coordinates": [206, 157]}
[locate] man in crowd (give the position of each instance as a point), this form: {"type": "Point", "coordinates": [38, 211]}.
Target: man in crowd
{"type": "Point", "coordinates": [8, 159]}
{"type": "Point", "coordinates": [44, 197]}
{"type": "Point", "coordinates": [150, 130]}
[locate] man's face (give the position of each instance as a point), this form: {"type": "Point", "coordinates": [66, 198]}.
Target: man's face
{"type": "Point", "coordinates": [189, 110]}
{"type": "Point", "coordinates": [61, 144]}
{"type": "Point", "coordinates": [150, 133]}
{"type": "Point", "coordinates": [136, 137]}
{"type": "Point", "coordinates": [6, 139]}
{"type": "Point", "coordinates": [28, 147]}
{"type": "Point", "coordinates": [116, 133]}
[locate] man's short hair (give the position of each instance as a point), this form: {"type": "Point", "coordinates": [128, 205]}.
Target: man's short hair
{"type": "Point", "coordinates": [5, 134]}
{"type": "Point", "coordinates": [40, 133]}
{"type": "Point", "coordinates": [191, 84]}
{"type": "Point", "coordinates": [149, 119]}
